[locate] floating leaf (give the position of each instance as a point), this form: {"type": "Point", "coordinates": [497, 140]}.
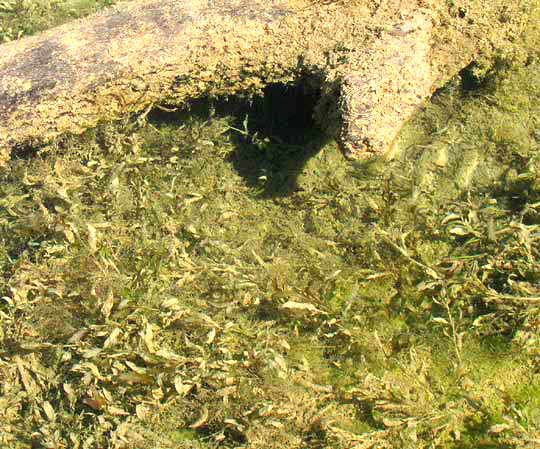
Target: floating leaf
{"type": "Point", "coordinates": [301, 306]}
{"type": "Point", "coordinates": [182, 388]}
{"type": "Point", "coordinates": [49, 410]}
{"type": "Point", "coordinates": [142, 411]}
{"type": "Point", "coordinates": [116, 411]}
{"type": "Point", "coordinates": [170, 303]}
{"type": "Point", "coordinates": [136, 378]}
{"type": "Point", "coordinates": [498, 428]}
{"type": "Point", "coordinates": [202, 419]}
{"type": "Point", "coordinates": [112, 338]}
{"type": "Point", "coordinates": [92, 237]}
{"type": "Point", "coordinates": [458, 230]}
{"type": "Point", "coordinates": [108, 304]}
{"type": "Point", "coordinates": [211, 336]}
{"type": "Point", "coordinates": [97, 402]}
{"type": "Point", "coordinates": [439, 320]}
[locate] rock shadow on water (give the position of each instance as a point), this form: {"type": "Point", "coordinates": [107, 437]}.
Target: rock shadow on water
{"type": "Point", "coordinates": [276, 138]}
{"type": "Point", "coordinates": [273, 135]}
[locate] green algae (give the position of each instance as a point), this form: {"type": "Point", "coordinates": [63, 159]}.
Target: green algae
{"type": "Point", "coordinates": [208, 280]}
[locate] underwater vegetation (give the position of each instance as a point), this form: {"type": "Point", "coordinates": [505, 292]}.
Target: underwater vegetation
{"type": "Point", "coordinates": [219, 276]}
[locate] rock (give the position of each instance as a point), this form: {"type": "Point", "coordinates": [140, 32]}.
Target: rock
{"type": "Point", "coordinates": [374, 63]}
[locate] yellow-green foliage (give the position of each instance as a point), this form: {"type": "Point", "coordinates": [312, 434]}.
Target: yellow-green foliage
{"type": "Point", "coordinates": [20, 18]}
{"type": "Point", "coordinates": [220, 277]}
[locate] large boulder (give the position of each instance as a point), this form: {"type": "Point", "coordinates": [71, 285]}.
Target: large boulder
{"type": "Point", "coordinates": [375, 62]}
